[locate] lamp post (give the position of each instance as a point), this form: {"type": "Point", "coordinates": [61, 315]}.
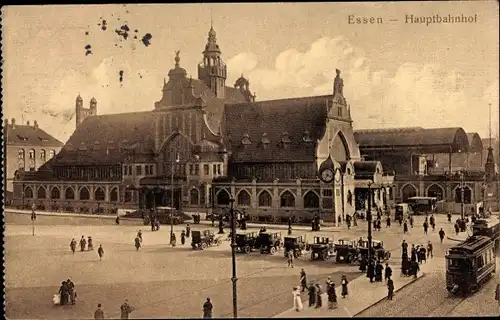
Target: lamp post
{"type": "Point", "coordinates": [484, 189]}
{"type": "Point", "coordinates": [172, 200]}
{"type": "Point", "coordinates": [341, 176]}
{"type": "Point", "coordinates": [369, 219]}
{"type": "Point", "coordinates": [33, 216]}
{"type": "Point", "coordinates": [233, 256]}
{"type": "Point", "coordinates": [462, 192]}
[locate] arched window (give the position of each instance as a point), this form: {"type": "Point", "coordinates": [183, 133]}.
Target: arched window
{"type": "Point", "coordinates": [52, 153]}
{"type": "Point", "coordinates": [128, 196]}
{"type": "Point", "coordinates": [339, 149]}
{"type": "Point", "coordinates": [311, 200]}
{"type": "Point", "coordinates": [265, 199]}
{"type": "Point", "coordinates": [84, 194]}
{"type": "Point", "coordinates": [28, 192]}
{"type": "Point", "coordinates": [113, 195]}
{"type": "Point", "coordinates": [243, 198]}
{"type": "Point", "coordinates": [41, 193]}
{"type": "Point", "coordinates": [408, 191]}
{"type": "Point", "coordinates": [69, 193]}
{"type": "Point", "coordinates": [287, 199]}
{"type": "Point", "coordinates": [435, 191]}
{"type": "Point", "coordinates": [32, 155]}
{"type": "Point", "coordinates": [194, 197]}
{"type": "Point", "coordinates": [467, 195]}
{"type": "Point", "coordinates": [99, 194]}
{"type": "Point", "coordinates": [55, 193]}
{"type": "Point", "coordinates": [223, 197]}
{"type": "Point", "coordinates": [21, 159]}
{"type": "Point", "coordinates": [43, 155]}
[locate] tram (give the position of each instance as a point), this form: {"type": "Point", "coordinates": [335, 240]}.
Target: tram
{"type": "Point", "coordinates": [489, 228]}
{"type": "Point", "coordinates": [470, 264]}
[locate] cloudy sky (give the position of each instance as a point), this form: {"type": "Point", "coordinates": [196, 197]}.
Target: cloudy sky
{"type": "Point", "coordinates": [395, 74]}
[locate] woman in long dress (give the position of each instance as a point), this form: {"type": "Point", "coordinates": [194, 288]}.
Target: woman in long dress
{"type": "Point", "coordinates": [297, 301]}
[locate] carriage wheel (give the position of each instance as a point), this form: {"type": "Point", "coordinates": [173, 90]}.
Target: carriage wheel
{"type": "Point", "coordinates": [204, 246]}
{"type": "Point", "coordinates": [247, 249]}
{"type": "Point", "coordinates": [324, 256]}
{"type": "Point", "coordinates": [272, 250]}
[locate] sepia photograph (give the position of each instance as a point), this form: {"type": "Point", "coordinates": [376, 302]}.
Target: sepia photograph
{"type": "Point", "coordinates": [171, 161]}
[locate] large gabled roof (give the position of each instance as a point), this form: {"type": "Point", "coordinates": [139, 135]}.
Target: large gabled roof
{"type": "Point", "coordinates": [284, 130]}
{"type": "Point", "coordinates": [24, 135]}
{"type": "Point", "coordinates": [451, 139]}
{"type": "Point", "coordinates": [110, 139]}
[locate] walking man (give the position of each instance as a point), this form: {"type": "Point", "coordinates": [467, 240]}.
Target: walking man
{"type": "Point", "coordinates": [125, 310]}
{"type": "Point", "coordinates": [388, 272]}
{"type": "Point", "coordinates": [441, 235]}
{"type": "Point", "coordinates": [303, 280]}
{"type": "Point", "coordinates": [405, 227]}
{"type": "Point", "coordinates": [137, 243]}
{"type": "Point", "coordinates": [99, 314]}
{"type": "Point", "coordinates": [390, 288]}
{"type": "Point", "coordinates": [207, 309]}
{"type": "Point", "coordinates": [290, 258]}
{"type": "Point", "coordinates": [312, 295]}
{"type": "Point", "coordinates": [426, 227]}
{"type": "Point", "coordinates": [429, 250]}
{"type": "Point", "coordinates": [100, 252]}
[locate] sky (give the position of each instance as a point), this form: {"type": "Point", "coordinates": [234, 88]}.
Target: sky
{"type": "Point", "coordinates": [395, 74]}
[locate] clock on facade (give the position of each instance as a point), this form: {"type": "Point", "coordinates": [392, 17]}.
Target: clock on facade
{"type": "Point", "coordinates": [327, 175]}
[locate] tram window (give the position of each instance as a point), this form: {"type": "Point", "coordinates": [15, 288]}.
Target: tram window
{"type": "Point", "coordinates": [480, 261]}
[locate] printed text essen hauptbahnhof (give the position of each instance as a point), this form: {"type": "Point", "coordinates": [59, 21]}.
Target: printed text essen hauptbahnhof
{"type": "Point", "coordinates": [440, 19]}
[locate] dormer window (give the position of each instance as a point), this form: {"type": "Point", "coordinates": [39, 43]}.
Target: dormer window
{"type": "Point", "coordinates": [285, 139]}
{"type": "Point", "coordinates": [43, 139]}
{"type": "Point", "coordinates": [265, 140]}
{"type": "Point", "coordinates": [22, 138]}
{"type": "Point", "coordinates": [246, 140]}
{"type": "Point", "coordinates": [307, 136]}
{"type": "Point", "coordinates": [82, 146]}
{"type": "Point", "coordinates": [96, 145]}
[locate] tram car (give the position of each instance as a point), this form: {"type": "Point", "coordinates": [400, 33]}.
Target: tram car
{"type": "Point", "coordinates": [469, 265]}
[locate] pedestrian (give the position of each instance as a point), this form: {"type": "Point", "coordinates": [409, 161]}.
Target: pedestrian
{"type": "Point", "coordinates": [355, 219]}
{"type": "Point", "coordinates": [72, 245]}
{"type": "Point", "coordinates": [456, 228]}
{"type": "Point", "coordinates": [388, 272]}
{"type": "Point", "coordinates": [139, 234]}
{"type": "Point", "coordinates": [441, 235]}
{"type": "Point", "coordinates": [429, 250]}
{"type": "Point", "coordinates": [319, 299]}
{"type": "Point", "coordinates": [411, 221]}
{"type": "Point", "coordinates": [371, 271]}
{"type": "Point", "coordinates": [99, 314]}
{"type": "Point", "coordinates": [174, 239]}
{"type": "Point", "coordinates": [117, 220]}
{"type": "Point", "coordinates": [100, 252]}
{"type": "Point", "coordinates": [63, 291]}
{"type": "Point", "coordinates": [378, 272]}
{"type": "Point", "coordinates": [311, 290]}
{"type": "Point", "coordinates": [433, 223]}
{"type": "Point", "coordinates": [404, 248]}
{"type": "Point", "coordinates": [405, 227]}
{"type": "Point", "coordinates": [400, 220]}
{"type": "Point", "coordinates": [290, 258]}
{"type": "Point", "coordinates": [137, 243]}
{"type": "Point", "coordinates": [183, 237]}
{"type": "Point", "coordinates": [290, 231]}
{"type": "Point", "coordinates": [422, 254]}
{"type": "Point", "coordinates": [207, 309]}
{"type": "Point", "coordinates": [404, 265]}
{"type": "Point", "coordinates": [388, 222]}
{"type": "Point", "coordinates": [125, 310]}
{"type": "Point", "coordinates": [332, 296]}
{"type": "Point", "coordinates": [449, 217]}
{"type": "Point", "coordinates": [413, 253]}
{"type": "Point", "coordinates": [188, 231]}
{"type": "Point", "coordinates": [375, 224]}
{"type": "Point", "coordinates": [297, 301]}
{"type": "Point", "coordinates": [83, 243]}
{"type": "Point", "coordinates": [415, 269]}
{"type": "Point", "coordinates": [344, 282]}
{"type": "Point", "coordinates": [303, 280]}
{"type": "Point", "coordinates": [90, 245]}
{"type": "Point", "coordinates": [313, 225]}
{"type": "Point", "coordinates": [390, 288]}
{"type": "Point", "coordinates": [71, 291]}
{"type": "Point", "coordinates": [426, 227]}
{"type": "Point", "coordinates": [328, 282]}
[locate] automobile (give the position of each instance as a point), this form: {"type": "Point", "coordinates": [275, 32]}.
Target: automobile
{"type": "Point", "coordinates": [163, 214]}
{"type": "Point", "coordinates": [321, 248]}
{"type": "Point", "coordinates": [202, 240]}
{"type": "Point", "coordinates": [295, 243]}
{"type": "Point", "coordinates": [269, 242]}
{"type": "Point", "coordinates": [377, 251]}
{"type": "Point", "coordinates": [346, 251]}
{"type": "Point", "coordinates": [245, 242]}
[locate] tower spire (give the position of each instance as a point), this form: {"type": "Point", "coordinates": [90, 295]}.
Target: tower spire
{"type": "Point", "coordinates": [490, 123]}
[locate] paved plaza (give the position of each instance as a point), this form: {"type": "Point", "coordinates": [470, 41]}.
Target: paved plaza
{"type": "Point", "coordinates": [161, 281]}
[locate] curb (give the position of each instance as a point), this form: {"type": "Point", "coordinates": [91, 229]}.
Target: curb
{"type": "Point", "coordinates": [423, 274]}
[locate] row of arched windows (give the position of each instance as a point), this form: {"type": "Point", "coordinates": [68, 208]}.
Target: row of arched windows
{"type": "Point", "coordinates": [265, 199]}
{"type": "Point", "coordinates": [69, 193]}
{"type": "Point", "coordinates": [21, 155]}
{"type": "Point", "coordinates": [437, 191]}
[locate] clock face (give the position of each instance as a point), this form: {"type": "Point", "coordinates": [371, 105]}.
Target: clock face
{"type": "Point", "coordinates": [327, 175]}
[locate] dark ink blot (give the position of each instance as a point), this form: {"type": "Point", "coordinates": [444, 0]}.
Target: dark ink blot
{"type": "Point", "coordinates": [146, 39]}
{"type": "Point", "coordinates": [116, 45]}
{"type": "Point", "coordinates": [88, 52]}
{"type": "Point", "coordinates": [86, 33]}
{"type": "Point", "coordinates": [122, 33]}
{"type": "Point", "coordinates": [136, 30]}
{"type": "Point", "coordinates": [135, 37]}
{"type": "Point", "coordinates": [125, 28]}
{"type": "Point", "coordinates": [118, 18]}
{"type": "Point", "coordinates": [121, 75]}
{"type": "Point", "coordinates": [104, 28]}
{"type": "Point", "coordinates": [127, 11]}
{"type": "Point", "coordinates": [88, 47]}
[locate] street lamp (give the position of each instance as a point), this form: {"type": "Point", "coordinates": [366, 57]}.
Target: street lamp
{"type": "Point", "coordinates": [233, 256]}
{"type": "Point", "coordinates": [341, 190]}
{"type": "Point", "coordinates": [484, 187]}
{"type": "Point", "coordinates": [462, 192]}
{"type": "Point", "coordinates": [172, 201]}
{"type": "Point", "coordinates": [369, 219]}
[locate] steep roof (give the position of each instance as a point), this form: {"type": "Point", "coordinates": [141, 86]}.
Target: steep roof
{"type": "Point", "coordinates": [275, 131]}
{"type": "Point", "coordinates": [110, 139]}
{"type": "Point", "coordinates": [23, 135]}
{"type": "Point", "coordinates": [365, 169]}
{"type": "Point", "coordinates": [456, 138]}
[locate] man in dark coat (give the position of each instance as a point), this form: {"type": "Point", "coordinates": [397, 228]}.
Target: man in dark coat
{"type": "Point", "coordinates": [390, 289]}
{"type": "Point", "coordinates": [429, 250]}
{"type": "Point", "coordinates": [99, 314]}
{"type": "Point", "coordinates": [388, 272]}
{"type": "Point", "coordinates": [388, 222]}
{"type": "Point", "coordinates": [188, 230]}
{"type": "Point", "coordinates": [378, 271]}
{"type": "Point", "coordinates": [319, 299]}
{"type": "Point", "coordinates": [413, 253]}
{"type": "Point", "coordinates": [312, 295]}
{"type": "Point", "coordinates": [83, 243]}
{"type": "Point", "coordinates": [449, 217]}
{"type": "Point", "coordinates": [100, 252]}
{"type": "Point", "coordinates": [404, 248]}
{"type": "Point", "coordinates": [207, 309]}
{"type": "Point", "coordinates": [64, 292]}
{"type": "Point", "coordinates": [183, 237]}
{"type": "Point", "coordinates": [426, 227]}
{"type": "Point", "coordinates": [457, 229]}
{"type": "Point", "coordinates": [303, 280]}
{"type": "Point", "coordinates": [432, 221]}
{"type": "Point", "coordinates": [344, 282]}
{"type": "Point", "coordinates": [371, 271]}
{"type": "Point", "coordinates": [125, 310]}
{"type": "Point", "coordinates": [441, 235]}
{"type": "Point", "coordinates": [414, 268]}
{"type": "Point", "coordinates": [404, 265]}
{"type": "Point", "coordinates": [71, 291]}
{"type": "Point", "coordinates": [405, 227]}
{"type": "Point", "coordinates": [411, 221]}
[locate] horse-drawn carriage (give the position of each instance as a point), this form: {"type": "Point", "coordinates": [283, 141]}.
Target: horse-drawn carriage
{"type": "Point", "coordinates": [205, 239]}
{"type": "Point", "coordinates": [321, 248]}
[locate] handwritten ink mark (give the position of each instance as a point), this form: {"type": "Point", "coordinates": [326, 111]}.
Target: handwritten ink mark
{"type": "Point", "coordinates": [146, 39]}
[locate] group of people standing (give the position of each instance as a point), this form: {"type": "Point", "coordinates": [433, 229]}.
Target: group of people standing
{"type": "Point", "coordinates": [409, 266]}
{"type": "Point", "coordinates": [185, 233]}
{"type": "Point", "coordinates": [66, 294]}
{"type": "Point", "coordinates": [86, 244]}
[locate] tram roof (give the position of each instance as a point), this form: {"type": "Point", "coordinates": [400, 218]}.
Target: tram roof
{"type": "Point", "coordinates": [487, 222]}
{"type": "Point", "coordinates": [471, 245]}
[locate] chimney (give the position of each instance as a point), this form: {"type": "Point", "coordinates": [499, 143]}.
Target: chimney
{"type": "Point", "coordinates": [13, 121]}
{"type": "Point", "coordinates": [28, 123]}
{"type": "Point", "coordinates": [35, 124]}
